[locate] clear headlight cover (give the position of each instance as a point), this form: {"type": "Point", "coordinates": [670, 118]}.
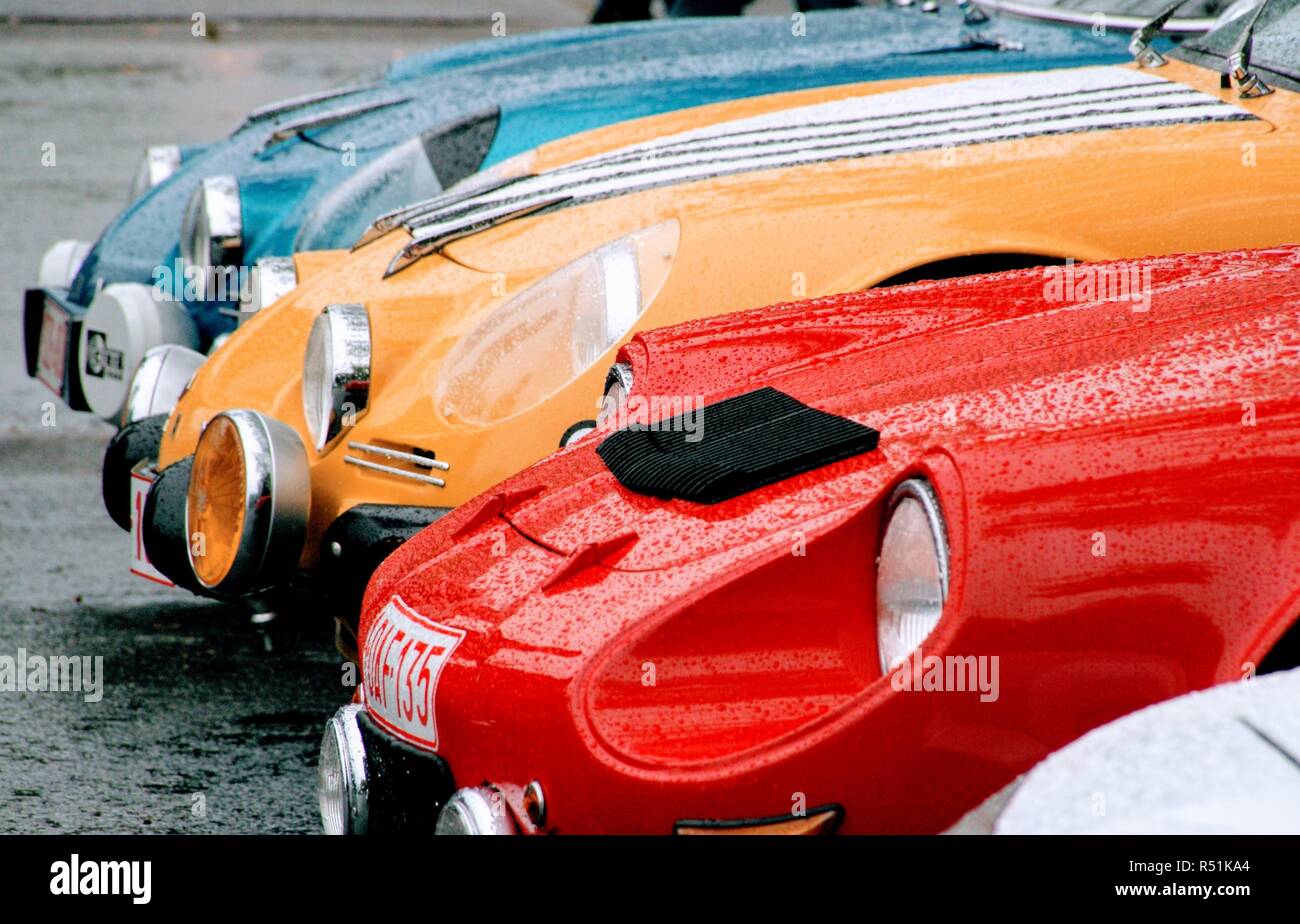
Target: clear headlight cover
{"type": "Point", "coordinates": [912, 573]}
{"type": "Point", "coordinates": [331, 792]}
{"type": "Point", "coordinates": [546, 336]}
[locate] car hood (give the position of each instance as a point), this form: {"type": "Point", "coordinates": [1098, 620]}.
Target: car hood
{"type": "Point", "coordinates": [926, 365]}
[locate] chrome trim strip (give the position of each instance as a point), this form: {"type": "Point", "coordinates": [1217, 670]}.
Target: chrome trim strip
{"type": "Point", "coordinates": [286, 130]}
{"type": "Point", "coordinates": [306, 99]}
{"type": "Point", "coordinates": [391, 470]}
{"type": "Point", "coordinates": [408, 213]}
{"type": "Point", "coordinates": [410, 457]}
{"type": "Point", "coordinates": [1190, 26]}
{"type": "Point", "coordinates": [436, 237]}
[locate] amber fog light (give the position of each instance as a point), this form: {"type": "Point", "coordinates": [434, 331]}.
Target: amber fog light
{"type": "Point", "coordinates": [246, 510]}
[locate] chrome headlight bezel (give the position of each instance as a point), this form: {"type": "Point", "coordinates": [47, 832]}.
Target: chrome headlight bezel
{"type": "Point", "coordinates": [270, 279]}
{"type": "Point", "coordinates": [916, 491]}
{"type": "Point", "coordinates": [212, 230]}
{"type": "Point", "coordinates": [336, 373]}
{"type": "Point", "coordinates": [158, 163]}
{"type": "Point", "coordinates": [277, 499]}
{"type": "Point", "coordinates": [159, 381]}
{"type": "Point", "coordinates": [347, 781]}
{"type": "Point", "coordinates": [618, 386]}
{"type": "Point", "coordinates": [476, 810]}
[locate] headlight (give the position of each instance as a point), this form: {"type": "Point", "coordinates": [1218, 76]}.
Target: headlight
{"type": "Point", "coordinates": [342, 783]}
{"type": "Point", "coordinates": [546, 336]}
{"type": "Point", "coordinates": [336, 372]}
{"type": "Point", "coordinates": [618, 385]}
{"type": "Point", "coordinates": [246, 510]}
{"type": "Point", "coordinates": [477, 810]}
{"type": "Point", "coordinates": [912, 574]}
{"type": "Point", "coordinates": [159, 162]}
{"type": "Point", "coordinates": [212, 231]}
{"type": "Point", "coordinates": [159, 381]}
{"type": "Point", "coordinates": [270, 279]}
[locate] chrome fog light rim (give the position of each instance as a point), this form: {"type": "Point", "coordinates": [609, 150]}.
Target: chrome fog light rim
{"type": "Point", "coordinates": [343, 733]}
{"type": "Point", "coordinates": [277, 497]}
{"type": "Point", "coordinates": [212, 231]}
{"type": "Point", "coordinates": [476, 810]}
{"type": "Point", "coordinates": [159, 381]}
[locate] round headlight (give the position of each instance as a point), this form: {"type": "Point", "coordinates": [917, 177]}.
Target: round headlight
{"type": "Point", "coordinates": [159, 162]}
{"type": "Point", "coordinates": [336, 372]}
{"type": "Point", "coordinates": [476, 810]}
{"type": "Point", "coordinates": [912, 572]}
{"type": "Point", "coordinates": [246, 509]}
{"type": "Point", "coordinates": [618, 385]}
{"type": "Point", "coordinates": [555, 330]}
{"type": "Point", "coordinates": [342, 784]}
{"type": "Point", "coordinates": [212, 231]}
{"type": "Point", "coordinates": [159, 381]}
{"type": "Point", "coordinates": [268, 280]}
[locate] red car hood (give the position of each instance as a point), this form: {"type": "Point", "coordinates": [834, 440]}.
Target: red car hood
{"type": "Point", "coordinates": [972, 359]}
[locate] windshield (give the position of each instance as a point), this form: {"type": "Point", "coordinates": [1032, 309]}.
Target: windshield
{"type": "Point", "coordinates": [1276, 46]}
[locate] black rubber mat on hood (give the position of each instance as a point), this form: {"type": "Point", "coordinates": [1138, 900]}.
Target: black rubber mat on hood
{"type": "Point", "coordinates": [726, 449]}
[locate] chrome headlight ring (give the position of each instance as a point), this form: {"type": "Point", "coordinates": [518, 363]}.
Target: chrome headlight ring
{"type": "Point", "coordinates": [276, 503]}
{"type": "Point", "coordinates": [476, 810]}
{"type": "Point", "coordinates": [336, 373]}
{"type": "Point", "coordinates": [618, 385]}
{"type": "Point", "coordinates": [268, 280]}
{"type": "Point", "coordinates": [159, 381]}
{"type": "Point", "coordinates": [160, 161]}
{"type": "Point", "coordinates": [212, 231]}
{"type": "Point", "coordinates": [343, 784]}
{"type": "Point", "coordinates": [912, 572]}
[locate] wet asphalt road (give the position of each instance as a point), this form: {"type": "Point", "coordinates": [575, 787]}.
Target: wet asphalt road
{"type": "Point", "coordinates": [198, 730]}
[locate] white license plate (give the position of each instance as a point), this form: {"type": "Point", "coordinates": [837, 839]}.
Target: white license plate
{"type": "Point", "coordinates": [142, 476]}
{"type": "Point", "coordinates": [52, 353]}
{"type": "Point", "coordinates": [404, 656]}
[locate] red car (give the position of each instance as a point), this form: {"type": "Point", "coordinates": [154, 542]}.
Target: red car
{"type": "Point", "coordinates": [854, 564]}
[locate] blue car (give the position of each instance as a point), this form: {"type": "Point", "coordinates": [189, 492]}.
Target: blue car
{"type": "Point", "coordinates": [207, 238]}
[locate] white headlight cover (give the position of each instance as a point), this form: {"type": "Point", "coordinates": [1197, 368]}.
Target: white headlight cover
{"type": "Point", "coordinates": [336, 372]}
{"type": "Point", "coordinates": [912, 572]}
{"type": "Point", "coordinates": [546, 336]}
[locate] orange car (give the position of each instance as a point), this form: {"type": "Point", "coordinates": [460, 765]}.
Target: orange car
{"type": "Point", "coordinates": [469, 336]}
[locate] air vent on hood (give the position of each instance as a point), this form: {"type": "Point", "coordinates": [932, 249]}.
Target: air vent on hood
{"type": "Point", "coordinates": [745, 442]}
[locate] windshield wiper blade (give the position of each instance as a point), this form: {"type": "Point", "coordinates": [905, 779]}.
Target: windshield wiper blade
{"type": "Point", "coordinates": [1237, 72]}
{"type": "Point", "coordinates": [1141, 46]}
